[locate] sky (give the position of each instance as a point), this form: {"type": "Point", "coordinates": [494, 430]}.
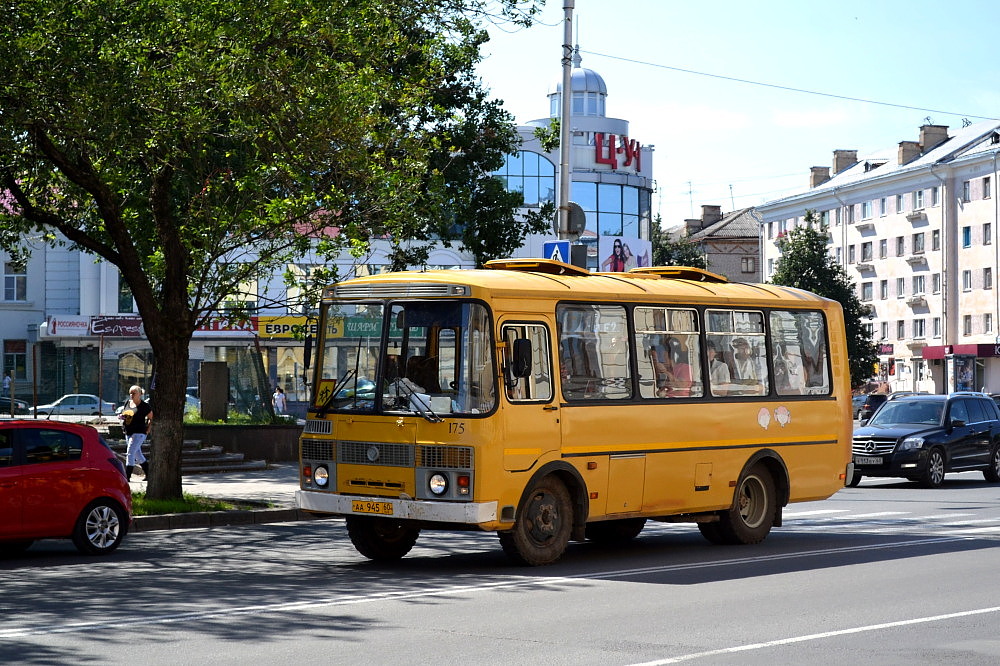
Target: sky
{"type": "Point", "coordinates": [736, 144]}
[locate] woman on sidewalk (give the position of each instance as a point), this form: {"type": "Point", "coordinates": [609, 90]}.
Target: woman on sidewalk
{"type": "Point", "coordinates": [136, 416]}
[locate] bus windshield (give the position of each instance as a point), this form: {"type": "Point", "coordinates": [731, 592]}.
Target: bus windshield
{"type": "Point", "coordinates": [422, 357]}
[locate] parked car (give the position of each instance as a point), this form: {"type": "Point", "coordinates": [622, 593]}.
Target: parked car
{"type": "Point", "coordinates": [60, 480]}
{"type": "Point", "coordinates": [20, 406]}
{"type": "Point", "coordinates": [856, 403]}
{"type": "Point", "coordinates": [77, 404]}
{"type": "Point", "coordinates": [872, 402]}
{"type": "Point", "coordinates": [922, 437]}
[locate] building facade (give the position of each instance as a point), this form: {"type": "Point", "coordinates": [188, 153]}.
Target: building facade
{"type": "Point", "coordinates": [915, 227]}
{"type": "Point", "coordinates": [729, 241]}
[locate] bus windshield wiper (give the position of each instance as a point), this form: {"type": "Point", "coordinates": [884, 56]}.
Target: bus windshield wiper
{"type": "Point", "coordinates": [341, 383]}
{"type": "Point", "coordinates": [416, 401]}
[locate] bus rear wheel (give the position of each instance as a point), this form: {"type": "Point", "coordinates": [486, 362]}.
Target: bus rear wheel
{"type": "Point", "coordinates": [381, 539]}
{"type": "Point", "coordinates": [615, 531]}
{"type": "Point", "coordinates": [750, 518]}
{"type": "Point", "coordinates": [543, 525]}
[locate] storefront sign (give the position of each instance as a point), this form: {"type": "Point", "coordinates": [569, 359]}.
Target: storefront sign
{"type": "Point", "coordinates": [606, 151]}
{"type": "Point", "coordinates": [117, 327]}
{"type": "Point", "coordinates": [287, 327]}
{"type": "Point", "coordinates": [223, 327]}
{"type": "Point", "coordinates": [66, 326]}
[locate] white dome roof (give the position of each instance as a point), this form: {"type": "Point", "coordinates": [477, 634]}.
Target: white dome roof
{"type": "Point", "coordinates": [581, 79]}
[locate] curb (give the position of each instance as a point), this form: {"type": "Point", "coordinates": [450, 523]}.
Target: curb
{"type": "Point", "coordinates": [196, 519]}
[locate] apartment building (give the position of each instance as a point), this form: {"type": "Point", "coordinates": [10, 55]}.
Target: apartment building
{"type": "Point", "coordinates": [915, 227]}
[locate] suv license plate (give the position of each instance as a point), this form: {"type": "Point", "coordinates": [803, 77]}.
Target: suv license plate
{"type": "Point", "coordinates": [366, 506]}
{"type": "Point", "coordinates": [867, 460]}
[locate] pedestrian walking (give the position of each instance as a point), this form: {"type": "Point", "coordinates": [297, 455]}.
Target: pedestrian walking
{"type": "Point", "coordinates": [136, 415]}
{"type": "Point", "coordinates": [279, 402]}
{"type": "Point", "coordinates": [6, 383]}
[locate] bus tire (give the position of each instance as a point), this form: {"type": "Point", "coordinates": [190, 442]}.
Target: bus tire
{"type": "Point", "coordinates": [615, 531]}
{"type": "Point", "coordinates": [543, 525]}
{"type": "Point", "coordinates": [750, 518]}
{"type": "Point", "coordinates": [713, 533]}
{"type": "Point", "coordinates": [381, 539]}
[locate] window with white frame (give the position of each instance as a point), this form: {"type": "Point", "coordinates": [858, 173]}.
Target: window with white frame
{"type": "Point", "coordinates": [824, 219]}
{"type": "Point", "coordinates": [966, 280]}
{"type": "Point", "coordinates": [15, 358]}
{"type": "Point", "coordinates": [883, 248]}
{"type": "Point", "coordinates": [15, 280]}
{"type": "Point", "coordinates": [748, 265]}
{"type": "Point", "coordinates": [918, 243]}
{"type": "Point", "coordinates": [988, 233]}
{"type": "Point", "coordinates": [839, 255]}
{"type": "Point", "coordinates": [900, 246]}
{"type": "Point", "coordinates": [935, 240]}
{"type": "Point", "coordinates": [850, 254]}
{"type": "Point", "coordinates": [918, 284]}
{"type": "Point", "coordinates": [899, 203]}
{"type": "Point", "coordinates": [866, 210]}
{"type": "Point", "coordinates": [900, 329]}
{"type": "Point", "coordinates": [935, 195]}
{"type": "Point", "coordinates": [918, 199]}
{"type": "Point", "coordinates": [883, 289]}
{"type": "Point", "coordinates": [936, 327]}
{"type": "Point", "coordinates": [866, 291]}
{"type": "Point", "coordinates": [900, 287]}
{"type": "Point", "coordinates": [987, 187]}
{"type": "Point", "coordinates": [966, 191]}
{"type": "Point", "coordinates": [884, 330]}
{"type": "Point", "coordinates": [966, 236]}
{"type": "Point", "coordinates": [967, 325]}
{"type": "Point", "coordinates": [850, 214]}
{"type": "Point", "coordinates": [988, 277]}
{"type": "Point", "coordinates": [866, 251]}
{"type": "Point", "coordinates": [918, 328]}
{"type": "Point", "coordinates": [988, 322]}
{"type": "Point", "coordinates": [770, 230]}
{"type": "Point", "coordinates": [936, 283]}
{"type": "Point", "coordinates": [882, 205]}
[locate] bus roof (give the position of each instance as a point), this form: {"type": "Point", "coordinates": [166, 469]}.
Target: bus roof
{"type": "Point", "coordinates": [544, 278]}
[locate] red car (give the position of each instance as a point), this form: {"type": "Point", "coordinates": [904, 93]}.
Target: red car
{"type": "Point", "coordinates": [60, 480]}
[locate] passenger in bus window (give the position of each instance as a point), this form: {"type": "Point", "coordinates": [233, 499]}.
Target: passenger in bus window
{"type": "Point", "coordinates": [718, 371]}
{"type": "Point", "coordinates": [672, 371]}
{"type": "Point", "coordinates": [790, 379]}
{"type": "Point", "coordinates": [745, 366]}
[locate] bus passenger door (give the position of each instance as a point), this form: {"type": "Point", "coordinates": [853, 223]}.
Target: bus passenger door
{"type": "Point", "coordinates": [530, 417]}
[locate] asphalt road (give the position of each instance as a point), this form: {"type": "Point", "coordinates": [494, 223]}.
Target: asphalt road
{"type": "Point", "coordinates": [886, 573]}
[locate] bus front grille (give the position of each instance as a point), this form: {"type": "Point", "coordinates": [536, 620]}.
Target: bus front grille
{"type": "Point", "coordinates": [317, 449]}
{"type": "Point", "coordinates": [375, 453]}
{"type": "Point", "coordinates": [445, 457]}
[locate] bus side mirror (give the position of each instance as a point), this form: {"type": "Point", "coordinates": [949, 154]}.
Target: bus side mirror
{"type": "Point", "coordinates": [307, 352]}
{"type": "Point", "coordinates": [520, 363]}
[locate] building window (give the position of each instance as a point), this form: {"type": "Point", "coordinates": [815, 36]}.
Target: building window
{"type": "Point", "coordinates": [748, 265]}
{"type": "Point", "coordinates": [882, 205]}
{"type": "Point", "coordinates": [866, 210]}
{"type": "Point", "coordinates": [900, 287]}
{"type": "Point", "coordinates": [531, 174]}
{"type": "Point", "coordinates": [15, 356]}
{"type": "Point", "coordinates": [770, 230]}
{"type": "Point", "coordinates": [866, 291]}
{"type": "Point", "coordinates": [966, 236]}
{"type": "Point", "coordinates": [900, 329]}
{"type": "Point", "coordinates": [899, 203]}
{"type": "Point", "coordinates": [988, 278]}
{"type": "Point", "coordinates": [918, 284]}
{"type": "Point", "coordinates": [966, 191]}
{"type": "Point", "coordinates": [936, 327]}
{"type": "Point", "coordinates": [935, 240]}
{"type": "Point", "coordinates": [918, 328]}
{"type": "Point", "coordinates": [125, 301]}
{"type": "Point", "coordinates": [936, 283]}
{"type": "Point", "coordinates": [900, 246]}
{"type": "Point", "coordinates": [918, 199]}
{"type": "Point", "coordinates": [850, 214]}
{"type": "Point", "coordinates": [885, 330]}
{"type": "Point", "coordinates": [770, 267]}
{"type": "Point", "coordinates": [935, 195]}
{"type": "Point", "coordinates": [988, 323]}
{"type": "Point", "coordinates": [866, 251]}
{"type": "Point", "coordinates": [839, 255]}
{"type": "Point", "coordinates": [967, 325]}
{"type": "Point", "coordinates": [988, 233]}
{"type": "Point", "coordinates": [883, 289]}
{"type": "Point", "coordinates": [987, 187]}
{"type": "Point", "coordinates": [850, 254]}
{"type": "Point", "coordinates": [918, 243]}
{"type": "Point", "coordinates": [966, 280]}
{"type": "Point", "coordinates": [883, 248]}
{"type": "Point", "coordinates": [15, 280]}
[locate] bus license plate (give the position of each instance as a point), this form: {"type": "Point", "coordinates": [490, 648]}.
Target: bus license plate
{"type": "Point", "coordinates": [366, 506]}
{"type": "Point", "coordinates": [867, 460]}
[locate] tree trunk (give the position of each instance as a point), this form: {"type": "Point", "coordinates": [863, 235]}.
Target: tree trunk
{"type": "Point", "coordinates": [170, 364]}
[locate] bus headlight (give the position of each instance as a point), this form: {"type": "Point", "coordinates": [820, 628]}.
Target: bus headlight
{"type": "Point", "coordinates": [321, 476]}
{"type": "Point", "coordinates": [438, 484]}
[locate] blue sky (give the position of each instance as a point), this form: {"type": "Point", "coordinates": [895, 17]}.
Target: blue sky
{"type": "Point", "coordinates": [735, 144]}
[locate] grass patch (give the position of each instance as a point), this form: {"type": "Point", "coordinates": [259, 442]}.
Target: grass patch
{"type": "Point", "coordinates": [142, 506]}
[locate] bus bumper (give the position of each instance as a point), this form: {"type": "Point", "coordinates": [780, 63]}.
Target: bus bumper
{"type": "Point", "coordinates": [468, 513]}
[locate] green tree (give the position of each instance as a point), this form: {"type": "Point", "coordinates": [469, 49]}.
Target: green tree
{"type": "Point", "coordinates": [805, 263]}
{"type": "Point", "coordinates": [198, 145]}
{"type": "Point", "coordinates": [681, 252]}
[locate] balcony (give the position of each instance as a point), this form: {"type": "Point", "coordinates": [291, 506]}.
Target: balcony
{"type": "Point", "coordinates": [865, 225]}
{"type": "Point", "coordinates": [916, 344]}
{"type": "Point", "coordinates": [916, 300]}
{"type": "Point", "coordinates": [915, 259]}
{"type": "Point", "coordinates": [915, 215]}
{"type": "Point", "coordinates": [864, 265]}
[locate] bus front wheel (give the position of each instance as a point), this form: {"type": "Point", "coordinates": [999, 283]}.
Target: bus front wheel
{"type": "Point", "coordinates": [543, 525]}
{"type": "Point", "coordinates": [750, 518]}
{"type": "Point", "coordinates": [381, 539]}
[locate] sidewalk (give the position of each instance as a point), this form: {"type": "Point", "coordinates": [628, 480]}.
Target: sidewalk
{"type": "Point", "coordinates": [274, 486]}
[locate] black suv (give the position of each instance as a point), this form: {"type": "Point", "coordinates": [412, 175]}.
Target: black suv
{"type": "Point", "coordinates": [871, 402]}
{"type": "Point", "coordinates": [921, 437]}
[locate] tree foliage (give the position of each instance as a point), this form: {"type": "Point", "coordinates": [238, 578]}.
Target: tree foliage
{"type": "Point", "coordinates": [805, 263]}
{"type": "Point", "coordinates": [681, 252]}
{"type": "Point", "coordinates": [199, 145]}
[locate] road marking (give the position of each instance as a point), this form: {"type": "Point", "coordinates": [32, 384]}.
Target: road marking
{"type": "Point", "coordinates": [880, 514]}
{"type": "Point", "coordinates": [798, 514]}
{"type": "Point", "coordinates": [814, 637]}
{"type": "Point", "coordinates": [173, 618]}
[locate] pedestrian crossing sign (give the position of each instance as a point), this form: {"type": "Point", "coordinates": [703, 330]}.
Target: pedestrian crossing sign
{"type": "Point", "coordinates": [557, 251]}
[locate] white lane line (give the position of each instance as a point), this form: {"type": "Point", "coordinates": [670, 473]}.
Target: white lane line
{"type": "Point", "coordinates": [814, 637]}
{"type": "Point", "coordinates": [444, 591]}
{"type": "Point", "coordinates": [880, 514]}
{"type": "Point", "coordinates": [799, 514]}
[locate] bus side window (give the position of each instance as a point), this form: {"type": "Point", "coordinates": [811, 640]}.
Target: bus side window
{"type": "Point", "coordinates": [538, 385]}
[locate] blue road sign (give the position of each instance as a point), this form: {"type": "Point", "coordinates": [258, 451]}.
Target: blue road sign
{"type": "Point", "coordinates": [557, 251]}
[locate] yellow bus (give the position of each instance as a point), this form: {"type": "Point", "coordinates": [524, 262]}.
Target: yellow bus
{"type": "Point", "coordinates": [548, 404]}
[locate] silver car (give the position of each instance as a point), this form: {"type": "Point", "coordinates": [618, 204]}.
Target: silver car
{"type": "Point", "coordinates": [77, 404]}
